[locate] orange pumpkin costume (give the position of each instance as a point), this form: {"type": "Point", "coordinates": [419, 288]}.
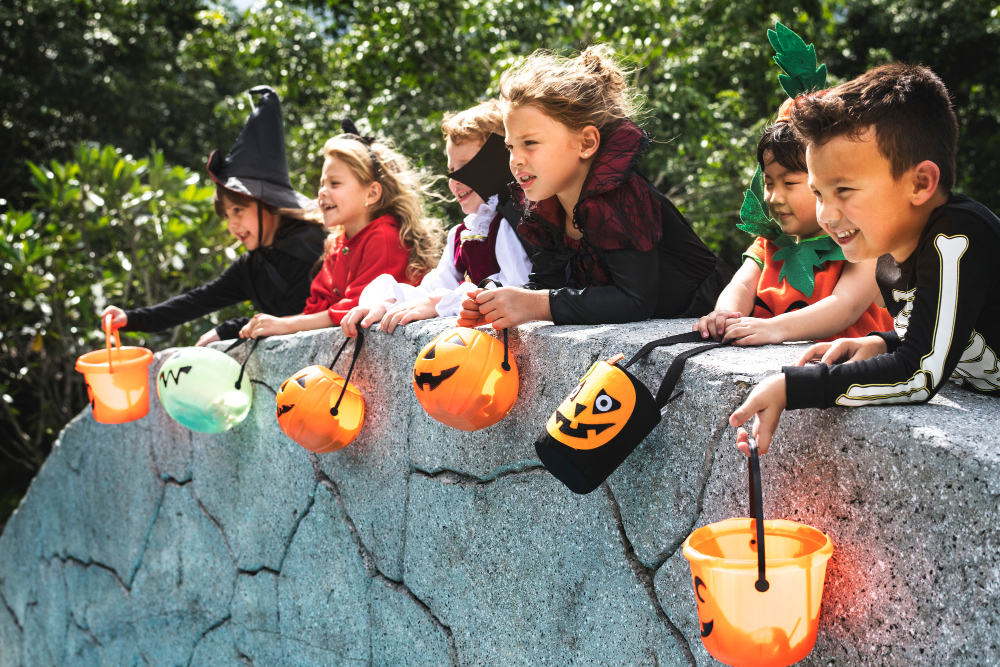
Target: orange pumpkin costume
{"type": "Point", "coordinates": [775, 296]}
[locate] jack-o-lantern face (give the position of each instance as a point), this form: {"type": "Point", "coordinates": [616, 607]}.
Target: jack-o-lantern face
{"type": "Point", "coordinates": [305, 410]}
{"type": "Point", "coordinates": [460, 381]}
{"type": "Point", "coordinates": [596, 410]}
{"type": "Point", "coordinates": [706, 626]}
{"type": "Point", "coordinates": [197, 387]}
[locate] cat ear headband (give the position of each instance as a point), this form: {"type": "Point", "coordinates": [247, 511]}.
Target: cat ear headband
{"type": "Point", "coordinates": [351, 132]}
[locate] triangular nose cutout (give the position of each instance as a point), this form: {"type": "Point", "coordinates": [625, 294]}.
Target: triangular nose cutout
{"type": "Point", "coordinates": [453, 340]}
{"type": "Point", "coordinates": [579, 408]}
{"type": "Point", "coordinates": [430, 353]}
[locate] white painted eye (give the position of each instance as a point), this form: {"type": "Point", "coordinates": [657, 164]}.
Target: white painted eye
{"type": "Point", "coordinates": [573, 394]}
{"type": "Point", "coordinates": [605, 403]}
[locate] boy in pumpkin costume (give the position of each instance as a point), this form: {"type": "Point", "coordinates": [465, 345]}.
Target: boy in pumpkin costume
{"type": "Point", "coordinates": [794, 283]}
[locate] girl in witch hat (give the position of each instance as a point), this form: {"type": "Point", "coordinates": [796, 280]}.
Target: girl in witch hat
{"type": "Point", "coordinates": [373, 201]}
{"type": "Point", "coordinates": [277, 225]}
{"type": "Point", "coordinates": [483, 246]}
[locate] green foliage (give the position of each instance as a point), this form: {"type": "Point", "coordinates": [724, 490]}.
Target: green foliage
{"type": "Point", "coordinates": [105, 229]}
{"type": "Point", "coordinates": [797, 61]}
{"type": "Point", "coordinates": [799, 260]}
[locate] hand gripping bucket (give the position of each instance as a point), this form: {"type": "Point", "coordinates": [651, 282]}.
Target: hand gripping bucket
{"type": "Point", "coordinates": [117, 379]}
{"type": "Point", "coordinates": [758, 607]}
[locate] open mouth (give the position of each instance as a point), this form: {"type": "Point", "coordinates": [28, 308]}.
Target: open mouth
{"type": "Point", "coordinates": [431, 381]}
{"type": "Point", "coordinates": [243, 236]}
{"type": "Point", "coordinates": [525, 180]}
{"type": "Point", "coordinates": [580, 430]}
{"type": "Point", "coordinates": [845, 236]}
{"type": "Point", "coordinates": [462, 195]}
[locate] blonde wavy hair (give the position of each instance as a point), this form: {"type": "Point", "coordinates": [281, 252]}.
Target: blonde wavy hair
{"type": "Point", "coordinates": [402, 198]}
{"type": "Point", "coordinates": [590, 89]}
{"type": "Point", "coordinates": [475, 124]}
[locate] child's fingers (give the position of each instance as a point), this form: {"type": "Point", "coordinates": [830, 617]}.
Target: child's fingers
{"type": "Point", "coordinates": [485, 296]}
{"type": "Point", "coordinates": [838, 352]}
{"type": "Point", "coordinates": [720, 324]}
{"type": "Point", "coordinates": [701, 326]}
{"type": "Point", "coordinates": [814, 352]}
{"type": "Point", "coordinates": [743, 440]}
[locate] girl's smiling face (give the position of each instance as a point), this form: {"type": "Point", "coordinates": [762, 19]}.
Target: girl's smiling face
{"type": "Point", "coordinates": [342, 197]}
{"type": "Point", "coordinates": [546, 157]}
{"type": "Point", "coordinates": [791, 201]}
{"type": "Point", "coordinates": [458, 155]}
{"type": "Point", "coordinates": [241, 221]}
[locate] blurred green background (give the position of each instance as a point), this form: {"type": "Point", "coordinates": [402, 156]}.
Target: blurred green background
{"type": "Point", "coordinates": [110, 109]}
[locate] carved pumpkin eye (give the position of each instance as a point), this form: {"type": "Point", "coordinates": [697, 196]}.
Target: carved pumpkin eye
{"type": "Point", "coordinates": [605, 403]}
{"type": "Point", "coordinates": [454, 339]}
{"type": "Point", "coordinates": [576, 392]}
{"type": "Point", "coordinates": [301, 381]}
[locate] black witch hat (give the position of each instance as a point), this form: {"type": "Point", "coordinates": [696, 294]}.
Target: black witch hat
{"type": "Point", "coordinates": [488, 174]}
{"type": "Point", "coordinates": [256, 164]}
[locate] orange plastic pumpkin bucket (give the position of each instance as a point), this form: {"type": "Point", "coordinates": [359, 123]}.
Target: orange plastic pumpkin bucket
{"type": "Point", "coordinates": [758, 607]}
{"type": "Point", "coordinates": [117, 379]}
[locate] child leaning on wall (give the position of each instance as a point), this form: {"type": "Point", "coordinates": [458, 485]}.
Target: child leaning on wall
{"type": "Point", "coordinates": [881, 156]}
{"type": "Point", "coordinates": [794, 283]}
{"type": "Point", "coordinates": [278, 226]}
{"type": "Point", "coordinates": [483, 246]}
{"type": "Point", "coordinates": [610, 247]}
{"type": "Point", "coordinates": [373, 201]}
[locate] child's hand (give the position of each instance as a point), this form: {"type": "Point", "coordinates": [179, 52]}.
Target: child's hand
{"type": "Point", "coordinates": [361, 315]}
{"type": "Point", "coordinates": [843, 351]}
{"type": "Point", "coordinates": [470, 315]}
{"type": "Point", "coordinates": [753, 331]}
{"type": "Point", "coordinates": [507, 307]}
{"type": "Point", "coordinates": [265, 325]}
{"type": "Point", "coordinates": [767, 401]}
{"type": "Point", "coordinates": [422, 309]}
{"type": "Point", "coordinates": [208, 337]}
{"type": "Point", "coordinates": [118, 317]}
{"type": "Point", "coordinates": [714, 324]}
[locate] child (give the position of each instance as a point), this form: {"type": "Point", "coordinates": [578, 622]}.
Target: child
{"type": "Point", "coordinates": [610, 247]}
{"type": "Point", "coordinates": [483, 246]}
{"type": "Point", "coordinates": [794, 284]}
{"type": "Point", "coordinates": [881, 157]}
{"type": "Point", "coordinates": [371, 197]}
{"type": "Point", "coordinates": [277, 225]}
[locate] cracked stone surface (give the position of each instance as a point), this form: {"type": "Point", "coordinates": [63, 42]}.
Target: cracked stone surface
{"type": "Point", "coordinates": [146, 544]}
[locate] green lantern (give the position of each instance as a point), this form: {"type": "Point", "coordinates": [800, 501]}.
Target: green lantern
{"type": "Point", "coordinates": [204, 389]}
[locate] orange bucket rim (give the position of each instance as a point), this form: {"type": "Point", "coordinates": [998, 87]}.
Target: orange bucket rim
{"type": "Point", "coordinates": [771, 527]}
{"type": "Point", "coordinates": [85, 365]}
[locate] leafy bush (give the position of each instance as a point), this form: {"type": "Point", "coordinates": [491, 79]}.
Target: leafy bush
{"type": "Point", "coordinates": [105, 229]}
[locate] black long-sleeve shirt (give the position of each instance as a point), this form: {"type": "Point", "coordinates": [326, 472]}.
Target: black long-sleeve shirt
{"type": "Point", "coordinates": [276, 279]}
{"type": "Point", "coordinates": [678, 277]}
{"type": "Point", "coordinates": [945, 301]}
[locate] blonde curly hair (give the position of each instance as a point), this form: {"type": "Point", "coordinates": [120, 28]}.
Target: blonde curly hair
{"type": "Point", "coordinates": [590, 89]}
{"type": "Point", "coordinates": [402, 197]}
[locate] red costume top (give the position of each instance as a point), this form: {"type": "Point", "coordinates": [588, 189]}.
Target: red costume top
{"type": "Point", "coordinates": [353, 263]}
{"type": "Point", "coordinates": [775, 296]}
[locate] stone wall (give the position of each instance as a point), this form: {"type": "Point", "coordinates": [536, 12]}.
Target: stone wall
{"type": "Point", "coordinates": [147, 544]}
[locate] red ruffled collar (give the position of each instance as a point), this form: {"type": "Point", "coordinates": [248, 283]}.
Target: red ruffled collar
{"type": "Point", "coordinates": [616, 210]}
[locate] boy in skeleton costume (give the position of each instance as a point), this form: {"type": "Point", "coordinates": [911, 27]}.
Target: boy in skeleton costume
{"type": "Point", "coordinates": [881, 158]}
{"type": "Point", "coordinates": [483, 246]}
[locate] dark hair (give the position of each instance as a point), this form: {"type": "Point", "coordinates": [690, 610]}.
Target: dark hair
{"type": "Point", "coordinates": [238, 198]}
{"type": "Point", "coordinates": [780, 144]}
{"type": "Point", "coordinates": [907, 105]}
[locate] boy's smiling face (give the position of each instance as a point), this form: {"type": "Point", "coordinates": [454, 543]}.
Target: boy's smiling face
{"type": "Point", "coordinates": [791, 201]}
{"type": "Point", "coordinates": [858, 202]}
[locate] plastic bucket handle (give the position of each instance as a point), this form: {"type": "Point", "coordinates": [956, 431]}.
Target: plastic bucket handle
{"type": "Point", "coordinates": [109, 333]}
{"type": "Point", "coordinates": [506, 348]}
{"type": "Point", "coordinates": [757, 515]}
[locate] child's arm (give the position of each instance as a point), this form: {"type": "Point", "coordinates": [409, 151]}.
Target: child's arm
{"type": "Point", "coordinates": [856, 290]}
{"type": "Point", "coordinates": [269, 325]}
{"type": "Point", "coordinates": [736, 299]}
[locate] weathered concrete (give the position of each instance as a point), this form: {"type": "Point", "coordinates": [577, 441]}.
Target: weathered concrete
{"type": "Point", "coordinates": [145, 544]}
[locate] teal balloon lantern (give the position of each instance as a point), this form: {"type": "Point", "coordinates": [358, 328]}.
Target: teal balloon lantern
{"type": "Point", "coordinates": [204, 389]}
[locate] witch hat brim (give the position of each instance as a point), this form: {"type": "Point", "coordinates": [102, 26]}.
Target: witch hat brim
{"type": "Point", "coordinates": [488, 172]}
{"type": "Point", "coordinates": [256, 165]}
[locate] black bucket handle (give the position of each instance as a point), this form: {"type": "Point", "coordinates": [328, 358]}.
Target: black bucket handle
{"type": "Point", "coordinates": [506, 350]}
{"type": "Point", "coordinates": [359, 342]}
{"type": "Point", "coordinates": [243, 366]}
{"type": "Point", "coordinates": [757, 515]}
